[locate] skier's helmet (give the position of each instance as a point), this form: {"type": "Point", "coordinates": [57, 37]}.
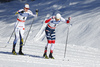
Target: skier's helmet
{"type": "Point", "coordinates": [26, 5]}
{"type": "Point", "coordinates": [58, 16]}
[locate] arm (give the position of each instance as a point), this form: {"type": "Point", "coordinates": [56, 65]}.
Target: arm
{"type": "Point", "coordinates": [19, 11]}
{"type": "Point", "coordinates": [67, 21]}
{"type": "Point", "coordinates": [48, 20]}
{"type": "Point", "coordinates": [30, 13]}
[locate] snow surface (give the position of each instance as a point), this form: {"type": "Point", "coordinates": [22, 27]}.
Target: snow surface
{"type": "Point", "coordinates": [83, 49]}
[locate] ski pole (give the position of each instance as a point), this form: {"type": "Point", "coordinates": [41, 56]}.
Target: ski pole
{"type": "Point", "coordinates": [10, 36]}
{"type": "Point", "coordinates": [12, 33]}
{"type": "Point", "coordinates": [30, 27]}
{"type": "Point", "coordinates": [66, 42]}
{"type": "Point", "coordinates": [28, 32]}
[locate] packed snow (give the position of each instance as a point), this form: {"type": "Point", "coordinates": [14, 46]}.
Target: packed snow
{"type": "Point", "coordinates": [83, 49]}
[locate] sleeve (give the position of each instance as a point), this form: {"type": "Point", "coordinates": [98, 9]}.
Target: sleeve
{"type": "Point", "coordinates": [48, 20]}
{"type": "Point", "coordinates": [30, 13]}
{"type": "Point", "coordinates": [19, 11]}
{"type": "Point", "coordinates": [62, 19]}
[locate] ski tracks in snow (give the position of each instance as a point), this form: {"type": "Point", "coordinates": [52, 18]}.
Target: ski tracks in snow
{"type": "Point", "coordinates": [78, 56]}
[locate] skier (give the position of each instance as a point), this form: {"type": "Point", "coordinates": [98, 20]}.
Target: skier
{"type": "Point", "coordinates": [50, 32]}
{"type": "Point", "coordinates": [20, 27]}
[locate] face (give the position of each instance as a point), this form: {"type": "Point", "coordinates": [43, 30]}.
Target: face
{"type": "Point", "coordinates": [57, 19]}
{"type": "Point", "coordinates": [26, 9]}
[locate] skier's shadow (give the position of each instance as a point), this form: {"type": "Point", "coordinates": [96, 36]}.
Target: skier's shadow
{"type": "Point", "coordinates": [10, 53]}
{"type": "Point", "coordinates": [36, 56]}
{"type": "Point", "coordinates": [5, 52]}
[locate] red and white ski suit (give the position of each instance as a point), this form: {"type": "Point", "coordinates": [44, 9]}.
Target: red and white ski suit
{"type": "Point", "coordinates": [50, 31]}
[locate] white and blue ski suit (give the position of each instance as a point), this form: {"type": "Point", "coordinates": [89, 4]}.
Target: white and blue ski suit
{"type": "Point", "coordinates": [50, 32]}
{"type": "Point", "coordinates": [20, 25]}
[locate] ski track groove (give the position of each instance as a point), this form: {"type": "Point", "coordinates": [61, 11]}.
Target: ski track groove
{"type": "Point", "coordinates": [73, 55]}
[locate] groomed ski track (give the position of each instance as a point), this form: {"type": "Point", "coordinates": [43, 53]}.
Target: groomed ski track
{"type": "Point", "coordinates": [77, 56]}
{"type": "Point", "coordinates": [83, 48]}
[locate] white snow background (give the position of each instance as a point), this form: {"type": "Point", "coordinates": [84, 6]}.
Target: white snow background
{"type": "Point", "coordinates": [83, 48]}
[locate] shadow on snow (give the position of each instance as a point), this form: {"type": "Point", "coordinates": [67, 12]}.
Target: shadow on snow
{"type": "Point", "coordinates": [10, 53]}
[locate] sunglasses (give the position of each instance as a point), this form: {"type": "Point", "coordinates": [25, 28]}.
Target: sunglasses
{"type": "Point", "coordinates": [27, 8]}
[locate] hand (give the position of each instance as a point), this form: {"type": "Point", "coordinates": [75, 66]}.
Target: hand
{"type": "Point", "coordinates": [16, 13]}
{"type": "Point", "coordinates": [69, 18]}
{"type": "Point", "coordinates": [68, 21]}
{"type": "Point", "coordinates": [53, 17]}
{"type": "Point", "coordinates": [37, 11]}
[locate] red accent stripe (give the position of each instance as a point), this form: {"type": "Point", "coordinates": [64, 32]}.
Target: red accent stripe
{"type": "Point", "coordinates": [47, 20]}
{"type": "Point", "coordinates": [51, 51]}
{"type": "Point", "coordinates": [49, 41]}
{"type": "Point", "coordinates": [45, 51]}
{"type": "Point", "coordinates": [20, 20]}
{"type": "Point", "coordinates": [51, 27]}
{"type": "Point", "coordinates": [53, 41]}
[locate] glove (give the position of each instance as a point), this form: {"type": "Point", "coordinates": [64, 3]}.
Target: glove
{"type": "Point", "coordinates": [37, 11]}
{"type": "Point", "coordinates": [68, 21]}
{"type": "Point", "coordinates": [16, 13]}
{"type": "Point", "coordinates": [69, 18]}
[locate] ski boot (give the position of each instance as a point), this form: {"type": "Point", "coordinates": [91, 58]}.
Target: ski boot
{"type": "Point", "coordinates": [45, 56]}
{"type": "Point", "coordinates": [13, 49]}
{"type": "Point", "coordinates": [14, 52]}
{"type": "Point", "coordinates": [50, 56]}
{"type": "Point", "coordinates": [21, 53]}
{"type": "Point", "coordinates": [21, 45]}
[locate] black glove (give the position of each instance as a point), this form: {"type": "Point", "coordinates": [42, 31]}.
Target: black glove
{"type": "Point", "coordinates": [36, 10]}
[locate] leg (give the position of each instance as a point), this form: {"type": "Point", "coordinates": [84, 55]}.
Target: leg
{"type": "Point", "coordinates": [52, 44]}
{"type": "Point", "coordinates": [46, 47]}
{"type": "Point", "coordinates": [15, 41]}
{"type": "Point", "coordinates": [21, 43]}
{"type": "Point", "coordinates": [47, 31]}
{"type": "Point", "coordinates": [51, 51]}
